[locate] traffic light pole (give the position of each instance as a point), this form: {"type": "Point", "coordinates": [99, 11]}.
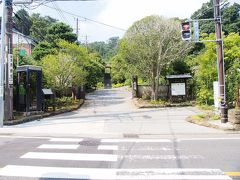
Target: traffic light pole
{"type": "Point", "coordinates": [220, 56]}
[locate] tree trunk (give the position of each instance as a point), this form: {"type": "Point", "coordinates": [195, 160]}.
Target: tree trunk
{"type": "Point", "coordinates": [154, 74]}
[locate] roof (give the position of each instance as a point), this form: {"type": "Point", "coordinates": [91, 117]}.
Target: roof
{"type": "Point", "coordinates": [28, 67]}
{"type": "Point", "coordinates": [179, 76]}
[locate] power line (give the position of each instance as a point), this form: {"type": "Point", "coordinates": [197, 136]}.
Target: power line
{"type": "Point", "coordinates": [88, 19]}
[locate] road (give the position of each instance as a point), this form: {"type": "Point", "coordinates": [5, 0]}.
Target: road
{"type": "Point", "coordinates": [109, 138]}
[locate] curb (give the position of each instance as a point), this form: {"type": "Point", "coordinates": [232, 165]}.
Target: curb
{"type": "Point", "coordinates": [207, 123]}
{"type": "Point", "coordinates": [139, 104]}
{"type": "Point", "coordinates": [41, 116]}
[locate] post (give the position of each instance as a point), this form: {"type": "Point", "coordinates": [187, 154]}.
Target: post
{"type": "Point", "coordinates": [8, 74]}
{"type": "Point", "coordinates": [3, 25]}
{"type": "Point", "coordinates": [220, 56]}
{"type": "Point", "coordinates": [134, 86]}
{"type": "Point", "coordinates": [77, 29]}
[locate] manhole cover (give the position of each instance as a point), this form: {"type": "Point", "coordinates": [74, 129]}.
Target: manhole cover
{"type": "Point", "coordinates": [130, 136]}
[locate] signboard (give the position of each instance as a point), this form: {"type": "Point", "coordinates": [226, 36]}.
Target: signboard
{"type": "Point", "coordinates": [216, 94]}
{"type": "Point", "coordinates": [196, 30]}
{"type": "Point", "coordinates": [178, 89]}
{"type": "Point", "coordinates": [10, 69]}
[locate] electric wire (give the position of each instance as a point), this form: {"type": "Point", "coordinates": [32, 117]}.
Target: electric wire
{"type": "Point", "coordinates": [88, 19]}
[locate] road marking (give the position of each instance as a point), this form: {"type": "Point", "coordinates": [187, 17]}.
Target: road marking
{"type": "Point", "coordinates": [66, 139]}
{"type": "Point", "coordinates": [57, 146]}
{"type": "Point", "coordinates": [203, 139]}
{"type": "Point", "coordinates": [136, 140]}
{"type": "Point", "coordinates": [108, 147]}
{"type": "Point", "coordinates": [71, 156]}
{"type": "Point", "coordinates": [160, 157]}
{"type": "Point", "coordinates": [101, 173]}
{"type": "Point", "coordinates": [232, 173]}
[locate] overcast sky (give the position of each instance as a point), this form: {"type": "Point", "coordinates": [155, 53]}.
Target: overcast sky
{"type": "Point", "coordinates": [118, 13]}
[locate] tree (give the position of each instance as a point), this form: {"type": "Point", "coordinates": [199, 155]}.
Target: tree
{"type": "Point", "coordinates": [204, 67]}
{"type": "Point", "coordinates": [60, 31]}
{"type": "Point", "coordinates": [61, 72]}
{"type": "Point", "coordinates": [150, 45]}
{"type": "Point", "coordinates": [40, 25]}
{"type": "Point", "coordinates": [22, 21]}
{"type": "Point", "coordinates": [106, 50]}
{"type": "Point", "coordinates": [42, 49]}
{"type": "Point", "coordinates": [119, 69]}
{"type": "Point", "coordinates": [230, 17]}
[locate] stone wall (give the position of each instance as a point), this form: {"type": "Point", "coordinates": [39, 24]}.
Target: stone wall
{"type": "Point", "coordinates": [144, 91]}
{"type": "Point", "coordinates": [234, 116]}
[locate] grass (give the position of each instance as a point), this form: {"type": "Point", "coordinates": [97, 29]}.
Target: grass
{"type": "Point", "coordinates": [206, 107]}
{"type": "Point", "coordinates": [158, 102]}
{"type": "Point", "coordinates": [199, 117]}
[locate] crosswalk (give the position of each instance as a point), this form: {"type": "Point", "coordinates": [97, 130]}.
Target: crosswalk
{"type": "Point", "coordinates": [80, 155]}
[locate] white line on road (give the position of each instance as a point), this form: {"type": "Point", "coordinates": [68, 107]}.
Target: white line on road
{"type": "Point", "coordinates": [136, 140]}
{"type": "Point", "coordinates": [57, 146]}
{"type": "Point", "coordinates": [66, 139]}
{"type": "Point", "coordinates": [108, 147]}
{"type": "Point", "coordinates": [71, 156]}
{"type": "Point", "coordinates": [206, 139]}
{"type": "Point", "coordinates": [101, 173]}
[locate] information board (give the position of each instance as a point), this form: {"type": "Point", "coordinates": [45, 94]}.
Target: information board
{"type": "Point", "coordinates": [178, 89]}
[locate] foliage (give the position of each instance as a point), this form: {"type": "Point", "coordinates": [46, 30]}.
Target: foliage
{"type": "Point", "coordinates": [118, 85]}
{"type": "Point", "coordinates": [95, 69]}
{"type": "Point", "coordinates": [61, 72]}
{"type": "Point", "coordinates": [230, 17]}
{"type": "Point", "coordinates": [22, 21]}
{"type": "Point", "coordinates": [204, 66]}
{"type": "Point", "coordinates": [150, 45]}
{"type": "Point", "coordinates": [60, 31]}
{"type": "Point", "coordinates": [106, 50]}
{"type": "Point", "coordinates": [40, 25]}
{"type": "Point", "coordinates": [119, 69]}
{"type": "Point", "coordinates": [42, 49]}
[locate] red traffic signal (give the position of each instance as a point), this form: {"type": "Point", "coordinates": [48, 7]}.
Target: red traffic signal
{"type": "Point", "coordinates": [186, 30]}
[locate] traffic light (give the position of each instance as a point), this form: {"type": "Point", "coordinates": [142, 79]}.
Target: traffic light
{"type": "Point", "coordinates": [186, 30]}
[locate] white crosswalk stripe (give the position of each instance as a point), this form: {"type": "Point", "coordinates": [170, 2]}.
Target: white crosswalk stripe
{"type": "Point", "coordinates": [68, 150]}
{"type": "Point", "coordinates": [57, 146]}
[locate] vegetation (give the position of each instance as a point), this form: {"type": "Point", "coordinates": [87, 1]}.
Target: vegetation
{"type": "Point", "coordinates": [151, 48]}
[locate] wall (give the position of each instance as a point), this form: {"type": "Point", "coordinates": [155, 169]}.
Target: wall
{"type": "Point", "coordinates": [145, 91]}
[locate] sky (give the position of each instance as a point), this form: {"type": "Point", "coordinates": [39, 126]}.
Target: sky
{"type": "Point", "coordinates": [120, 14]}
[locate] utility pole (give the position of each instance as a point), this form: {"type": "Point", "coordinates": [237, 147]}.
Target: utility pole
{"type": "Point", "coordinates": [9, 62]}
{"type": "Point", "coordinates": [220, 56]}
{"type": "Point", "coordinates": [3, 25]}
{"type": "Point", "coordinates": [77, 29]}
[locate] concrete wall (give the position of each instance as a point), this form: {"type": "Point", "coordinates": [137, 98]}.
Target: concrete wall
{"type": "Point", "coordinates": [144, 91]}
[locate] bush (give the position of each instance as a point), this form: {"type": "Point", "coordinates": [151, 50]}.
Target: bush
{"type": "Point", "coordinates": [64, 101]}
{"type": "Point", "coordinates": [118, 85]}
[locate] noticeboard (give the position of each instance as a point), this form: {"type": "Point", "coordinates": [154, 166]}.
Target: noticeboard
{"type": "Point", "coordinates": [178, 89]}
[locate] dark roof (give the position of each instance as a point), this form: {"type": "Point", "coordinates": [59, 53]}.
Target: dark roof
{"type": "Point", "coordinates": [180, 76]}
{"type": "Point", "coordinates": [28, 67]}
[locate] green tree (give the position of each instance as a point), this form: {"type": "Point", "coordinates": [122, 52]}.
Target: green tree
{"type": "Point", "coordinates": [42, 49]}
{"type": "Point", "coordinates": [61, 72]}
{"type": "Point", "coordinates": [150, 45]}
{"type": "Point", "coordinates": [204, 67]}
{"type": "Point", "coordinates": [60, 31]}
{"type": "Point", "coordinates": [119, 69]}
{"type": "Point", "coordinates": [106, 50]}
{"type": "Point", "coordinates": [22, 21]}
{"type": "Point", "coordinates": [40, 25]}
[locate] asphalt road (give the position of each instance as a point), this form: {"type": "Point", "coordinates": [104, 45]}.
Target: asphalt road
{"type": "Point", "coordinates": [108, 138]}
